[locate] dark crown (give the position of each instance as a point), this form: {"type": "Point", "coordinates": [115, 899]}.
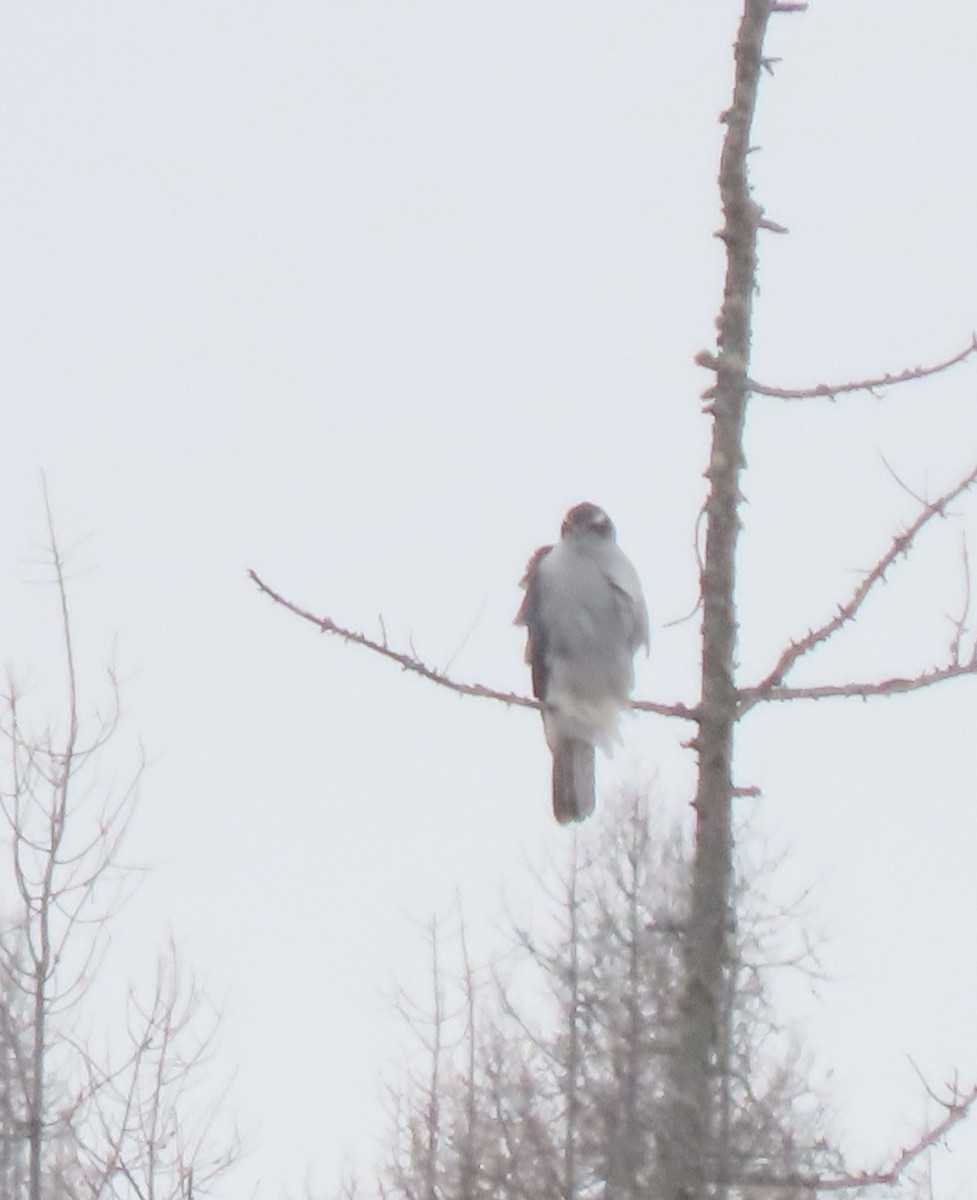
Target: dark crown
{"type": "Point", "coordinates": [587, 516]}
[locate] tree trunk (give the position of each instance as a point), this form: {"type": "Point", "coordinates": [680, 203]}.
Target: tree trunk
{"type": "Point", "coordinates": [685, 1154]}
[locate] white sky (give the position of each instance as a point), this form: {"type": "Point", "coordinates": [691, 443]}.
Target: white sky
{"type": "Point", "coordinates": [364, 296]}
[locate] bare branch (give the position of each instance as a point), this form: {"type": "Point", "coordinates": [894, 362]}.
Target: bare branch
{"type": "Point", "coordinates": [138, 1104]}
{"type": "Point", "coordinates": [895, 686]}
{"type": "Point", "coordinates": [957, 1109]}
{"type": "Point", "coordinates": [770, 687]}
{"type": "Point", "coordinates": [831, 391]}
{"type": "Point", "coordinates": [410, 662]}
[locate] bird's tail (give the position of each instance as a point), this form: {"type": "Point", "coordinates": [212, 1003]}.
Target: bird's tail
{"type": "Point", "coordinates": [573, 780]}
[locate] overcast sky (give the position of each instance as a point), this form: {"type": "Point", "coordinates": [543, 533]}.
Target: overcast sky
{"type": "Point", "coordinates": [364, 295]}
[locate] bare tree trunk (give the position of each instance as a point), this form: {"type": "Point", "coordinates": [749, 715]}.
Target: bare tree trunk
{"type": "Point", "coordinates": [35, 1134]}
{"type": "Point", "coordinates": [42, 902]}
{"type": "Point", "coordinates": [574, 1062]}
{"type": "Point", "coordinates": [687, 1131]}
{"type": "Point", "coordinates": [469, 1150]}
{"type": "Point", "coordinates": [432, 1127]}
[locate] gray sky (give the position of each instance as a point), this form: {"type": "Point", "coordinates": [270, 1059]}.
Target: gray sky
{"type": "Point", "coordinates": [364, 296]}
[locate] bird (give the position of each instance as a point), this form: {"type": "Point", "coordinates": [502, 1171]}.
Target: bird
{"type": "Point", "coordinates": [586, 618]}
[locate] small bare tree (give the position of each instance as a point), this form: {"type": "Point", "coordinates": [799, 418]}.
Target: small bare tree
{"type": "Point", "coordinates": [141, 1143]}
{"type": "Point", "coordinates": [73, 1124]}
{"type": "Point", "coordinates": [64, 836]}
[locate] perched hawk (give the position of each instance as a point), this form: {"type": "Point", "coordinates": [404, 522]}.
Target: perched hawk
{"type": "Point", "coordinates": [585, 617]}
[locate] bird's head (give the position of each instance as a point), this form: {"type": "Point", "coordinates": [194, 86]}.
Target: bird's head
{"type": "Point", "coordinates": [587, 520]}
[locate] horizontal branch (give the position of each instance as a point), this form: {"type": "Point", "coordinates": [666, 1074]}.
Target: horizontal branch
{"type": "Point", "coordinates": [900, 546]}
{"type": "Point", "coordinates": [684, 712]}
{"type": "Point", "coordinates": [897, 685]}
{"type": "Point", "coordinates": [957, 1108]}
{"type": "Point", "coordinates": [831, 391]}
{"type": "Point", "coordinates": [410, 662]}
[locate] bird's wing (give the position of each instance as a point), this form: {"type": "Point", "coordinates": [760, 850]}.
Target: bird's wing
{"type": "Point", "coordinates": [529, 615]}
{"type": "Point", "coordinates": [630, 600]}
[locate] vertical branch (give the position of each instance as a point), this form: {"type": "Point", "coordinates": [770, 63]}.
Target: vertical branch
{"type": "Point", "coordinates": [573, 1063]}
{"type": "Point", "coordinates": [433, 1114]}
{"type": "Point", "coordinates": [469, 1149]}
{"type": "Point", "coordinates": [687, 1131]}
{"type": "Point", "coordinates": [635, 851]}
{"type": "Point", "coordinates": [62, 770]}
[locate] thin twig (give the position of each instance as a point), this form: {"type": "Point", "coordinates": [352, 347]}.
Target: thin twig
{"type": "Point", "coordinates": [410, 662]}
{"type": "Point", "coordinates": [900, 482]}
{"type": "Point", "coordinates": [697, 547]}
{"type": "Point", "coordinates": [960, 622]}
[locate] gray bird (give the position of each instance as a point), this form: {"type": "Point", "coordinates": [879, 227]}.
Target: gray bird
{"type": "Point", "coordinates": [585, 618]}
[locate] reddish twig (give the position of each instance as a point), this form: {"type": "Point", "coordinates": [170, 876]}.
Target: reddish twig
{"type": "Point", "coordinates": [410, 662]}
{"type": "Point", "coordinates": [898, 685]}
{"type": "Point", "coordinates": [684, 712]}
{"type": "Point", "coordinates": [957, 1108]}
{"type": "Point", "coordinates": [831, 391]}
{"type": "Point", "coordinates": [770, 687]}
